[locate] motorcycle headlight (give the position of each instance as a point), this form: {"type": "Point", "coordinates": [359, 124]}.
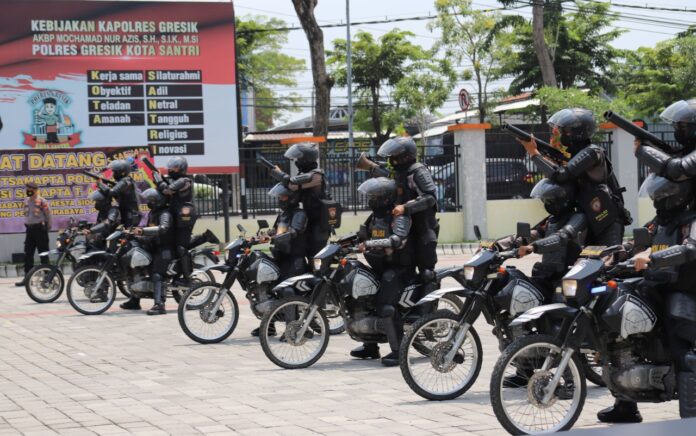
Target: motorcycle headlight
{"type": "Point", "coordinates": [317, 264]}
{"type": "Point", "coordinates": [58, 244]}
{"type": "Point", "coordinates": [469, 272]}
{"type": "Point", "coordinates": [570, 287]}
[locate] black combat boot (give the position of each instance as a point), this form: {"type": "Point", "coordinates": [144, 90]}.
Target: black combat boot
{"type": "Point", "coordinates": [210, 237]}
{"type": "Point", "coordinates": [158, 308]}
{"type": "Point", "coordinates": [394, 332]}
{"type": "Point", "coordinates": [271, 330]}
{"type": "Point", "coordinates": [132, 304]}
{"type": "Point", "coordinates": [368, 350]}
{"type": "Point", "coordinates": [621, 412]}
{"type": "Point", "coordinates": [687, 394]}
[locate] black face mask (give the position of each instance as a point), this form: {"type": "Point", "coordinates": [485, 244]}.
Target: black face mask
{"type": "Point", "coordinates": [686, 137]}
{"type": "Point", "coordinates": [305, 167]}
{"type": "Point", "coordinates": [30, 193]}
{"type": "Point", "coordinates": [555, 208]}
{"type": "Point", "coordinates": [574, 146]}
{"type": "Point", "coordinates": [378, 206]}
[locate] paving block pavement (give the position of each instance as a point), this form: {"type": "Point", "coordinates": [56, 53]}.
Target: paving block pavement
{"type": "Point", "coordinates": [128, 373]}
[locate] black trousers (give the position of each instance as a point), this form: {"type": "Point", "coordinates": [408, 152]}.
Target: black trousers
{"type": "Point", "coordinates": [36, 238]}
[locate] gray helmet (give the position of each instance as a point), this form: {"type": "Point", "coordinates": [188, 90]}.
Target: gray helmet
{"type": "Point", "coordinates": [682, 115]}
{"type": "Point", "coordinates": [287, 198]}
{"type": "Point", "coordinates": [401, 151]}
{"type": "Point", "coordinates": [557, 198]}
{"type": "Point", "coordinates": [576, 125]}
{"type": "Point", "coordinates": [177, 167]}
{"type": "Point", "coordinates": [667, 196]}
{"type": "Point", "coordinates": [305, 155]}
{"type": "Point", "coordinates": [153, 198]}
{"type": "Point", "coordinates": [101, 201]}
{"type": "Point", "coordinates": [380, 192]}
{"type": "Point", "coordinates": [120, 168]}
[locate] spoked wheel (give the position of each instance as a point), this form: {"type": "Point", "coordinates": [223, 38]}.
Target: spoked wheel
{"type": "Point", "coordinates": [336, 323]}
{"type": "Point", "coordinates": [592, 367]}
{"type": "Point", "coordinates": [519, 386]}
{"type": "Point", "coordinates": [425, 359]}
{"type": "Point", "coordinates": [84, 295]}
{"type": "Point", "coordinates": [451, 303]}
{"type": "Point", "coordinates": [197, 277]}
{"type": "Point", "coordinates": [42, 290]}
{"type": "Point", "coordinates": [286, 344]}
{"type": "Point", "coordinates": [208, 313]}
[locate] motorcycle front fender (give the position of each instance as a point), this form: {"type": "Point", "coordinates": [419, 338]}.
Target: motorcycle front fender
{"type": "Point", "coordinates": [224, 268]}
{"type": "Point", "coordinates": [561, 310]}
{"type": "Point", "coordinates": [440, 293]}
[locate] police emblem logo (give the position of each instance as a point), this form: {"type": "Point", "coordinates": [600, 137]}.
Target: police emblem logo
{"type": "Point", "coordinates": [332, 212]}
{"type": "Point", "coordinates": [378, 233]}
{"type": "Point", "coordinates": [596, 205]}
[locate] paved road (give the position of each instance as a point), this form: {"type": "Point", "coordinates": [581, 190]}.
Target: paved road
{"type": "Point", "coordinates": [65, 373]}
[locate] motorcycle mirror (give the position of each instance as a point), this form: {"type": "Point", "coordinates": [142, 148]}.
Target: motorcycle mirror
{"type": "Point", "coordinates": [241, 228]}
{"type": "Point", "coordinates": [263, 224]}
{"type": "Point", "coordinates": [524, 230]}
{"type": "Point", "coordinates": [641, 237]}
{"type": "Point", "coordinates": [477, 232]}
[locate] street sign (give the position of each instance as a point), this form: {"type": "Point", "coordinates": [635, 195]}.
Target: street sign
{"type": "Point", "coordinates": [464, 99]}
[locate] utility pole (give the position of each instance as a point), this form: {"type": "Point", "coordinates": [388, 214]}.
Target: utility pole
{"type": "Point", "coordinates": [349, 71]}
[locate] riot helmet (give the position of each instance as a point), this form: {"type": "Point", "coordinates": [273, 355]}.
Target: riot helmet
{"type": "Point", "coordinates": [120, 169]}
{"type": "Point", "coordinates": [287, 199]}
{"type": "Point", "coordinates": [305, 155]}
{"type": "Point", "coordinates": [575, 127]}
{"type": "Point", "coordinates": [101, 201]}
{"type": "Point", "coordinates": [153, 199]}
{"type": "Point", "coordinates": [177, 167]}
{"type": "Point", "coordinates": [669, 198]}
{"type": "Point", "coordinates": [380, 193]}
{"type": "Point", "coordinates": [557, 198]}
{"type": "Point", "coordinates": [682, 116]}
{"type": "Point", "coordinates": [401, 152]}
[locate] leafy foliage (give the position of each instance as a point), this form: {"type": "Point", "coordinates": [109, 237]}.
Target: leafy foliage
{"type": "Point", "coordinates": [262, 66]}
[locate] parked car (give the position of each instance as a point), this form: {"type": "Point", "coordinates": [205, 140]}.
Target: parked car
{"type": "Point", "coordinates": [509, 178]}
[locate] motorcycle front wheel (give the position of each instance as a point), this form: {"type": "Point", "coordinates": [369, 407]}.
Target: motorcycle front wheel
{"type": "Point", "coordinates": [520, 381]}
{"type": "Point", "coordinates": [39, 288]}
{"type": "Point", "coordinates": [424, 362]}
{"type": "Point", "coordinates": [83, 294]}
{"type": "Point", "coordinates": [280, 334]}
{"type": "Point", "coordinates": [196, 318]}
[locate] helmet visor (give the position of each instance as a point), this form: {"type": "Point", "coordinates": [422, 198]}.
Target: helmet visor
{"type": "Point", "coordinates": [679, 112]}
{"type": "Point", "coordinates": [279, 190]}
{"type": "Point", "coordinates": [545, 189]}
{"type": "Point", "coordinates": [295, 152]}
{"type": "Point", "coordinates": [391, 148]}
{"type": "Point", "coordinates": [564, 118]}
{"type": "Point", "coordinates": [377, 186]}
{"type": "Point", "coordinates": [657, 188]}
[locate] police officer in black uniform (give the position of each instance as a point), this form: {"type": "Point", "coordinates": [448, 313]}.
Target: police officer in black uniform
{"type": "Point", "coordinates": [674, 229]}
{"type": "Point", "coordinates": [416, 198]}
{"type": "Point", "coordinates": [108, 215]}
{"type": "Point", "coordinates": [178, 188]}
{"type": "Point", "coordinates": [313, 188]}
{"type": "Point", "coordinates": [159, 235]}
{"type": "Point", "coordinates": [680, 165]}
{"type": "Point", "coordinates": [287, 237]}
{"type": "Point", "coordinates": [124, 192]}
{"type": "Point", "coordinates": [599, 194]}
{"type": "Point", "coordinates": [391, 255]}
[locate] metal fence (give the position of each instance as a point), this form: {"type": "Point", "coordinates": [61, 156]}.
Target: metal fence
{"type": "Point", "coordinates": [211, 192]}
{"type": "Point", "coordinates": [665, 132]}
{"type": "Point", "coordinates": [510, 172]}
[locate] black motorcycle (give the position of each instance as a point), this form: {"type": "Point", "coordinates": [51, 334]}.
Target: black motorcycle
{"type": "Point", "coordinates": [208, 313]}
{"type": "Point", "coordinates": [91, 288]}
{"type": "Point", "coordinates": [300, 326]}
{"type": "Point", "coordinates": [606, 307]}
{"type": "Point", "coordinates": [45, 283]}
{"type": "Point", "coordinates": [453, 356]}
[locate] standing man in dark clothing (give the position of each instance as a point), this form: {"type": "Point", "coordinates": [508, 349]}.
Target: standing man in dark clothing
{"type": "Point", "coordinates": [388, 250]}
{"type": "Point", "coordinates": [178, 188]}
{"type": "Point", "coordinates": [159, 235]}
{"type": "Point", "coordinates": [417, 199]}
{"type": "Point", "coordinates": [37, 220]}
{"type": "Point", "coordinates": [311, 183]}
{"type": "Point", "coordinates": [124, 193]}
{"type": "Point", "coordinates": [600, 196]}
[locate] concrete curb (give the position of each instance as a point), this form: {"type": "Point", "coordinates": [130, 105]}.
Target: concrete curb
{"type": "Point", "coordinates": [457, 248]}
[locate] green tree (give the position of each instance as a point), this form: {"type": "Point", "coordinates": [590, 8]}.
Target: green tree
{"type": "Point", "coordinates": [377, 67]}
{"type": "Point", "coordinates": [472, 37]}
{"type": "Point", "coordinates": [425, 89]}
{"type": "Point", "coordinates": [555, 99]}
{"type": "Point", "coordinates": [649, 79]}
{"type": "Point", "coordinates": [261, 66]}
{"type": "Point", "coordinates": [581, 52]}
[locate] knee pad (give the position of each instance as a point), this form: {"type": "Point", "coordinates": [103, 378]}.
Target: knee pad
{"type": "Point", "coordinates": [427, 275]}
{"type": "Point", "coordinates": [386, 311]}
{"type": "Point", "coordinates": [389, 276]}
{"type": "Point", "coordinates": [181, 251]}
{"type": "Point", "coordinates": [156, 277]}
